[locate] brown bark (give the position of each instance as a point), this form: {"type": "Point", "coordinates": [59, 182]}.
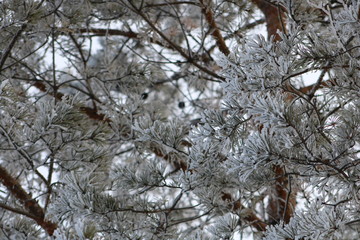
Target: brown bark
{"type": "Point", "coordinates": [274, 17]}
{"type": "Point", "coordinates": [215, 32]}
{"type": "Point", "coordinates": [35, 211]}
{"type": "Point", "coordinates": [282, 200]}
{"type": "Point", "coordinates": [250, 217]}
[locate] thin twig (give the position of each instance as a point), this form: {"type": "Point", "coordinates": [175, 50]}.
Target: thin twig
{"type": "Point", "coordinates": [11, 45]}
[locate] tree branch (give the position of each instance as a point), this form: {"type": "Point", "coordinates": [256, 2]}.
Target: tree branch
{"type": "Point", "coordinates": [274, 18]}
{"type": "Point", "coordinates": [190, 59]}
{"type": "Point", "coordinates": [100, 32]}
{"type": "Point", "coordinates": [35, 211]}
{"type": "Point", "coordinates": [16, 210]}
{"type": "Point", "coordinates": [282, 202]}
{"type": "Point", "coordinates": [11, 45]}
{"type": "Point", "coordinates": [90, 112]}
{"type": "Point", "coordinates": [249, 217]}
{"type": "Point", "coordinates": [215, 32]}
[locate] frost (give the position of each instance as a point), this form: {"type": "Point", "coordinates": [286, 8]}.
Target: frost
{"type": "Point", "coordinates": [179, 119]}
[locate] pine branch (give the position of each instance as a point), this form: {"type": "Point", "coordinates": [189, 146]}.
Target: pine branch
{"type": "Point", "coordinates": [189, 58]}
{"type": "Point", "coordinates": [90, 112]}
{"type": "Point", "coordinates": [11, 45]}
{"type": "Point", "coordinates": [93, 114]}
{"type": "Point", "coordinates": [16, 210]}
{"type": "Point", "coordinates": [250, 216]}
{"type": "Point", "coordinates": [308, 90]}
{"type": "Point", "coordinates": [215, 32]}
{"type": "Point", "coordinates": [102, 32]}
{"type": "Point", "coordinates": [282, 202]}
{"type": "Point", "coordinates": [238, 31]}
{"type": "Point", "coordinates": [35, 211]}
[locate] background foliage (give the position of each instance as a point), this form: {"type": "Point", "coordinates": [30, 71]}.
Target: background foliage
{"type": "Point", "coordinates": [133, 119]}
